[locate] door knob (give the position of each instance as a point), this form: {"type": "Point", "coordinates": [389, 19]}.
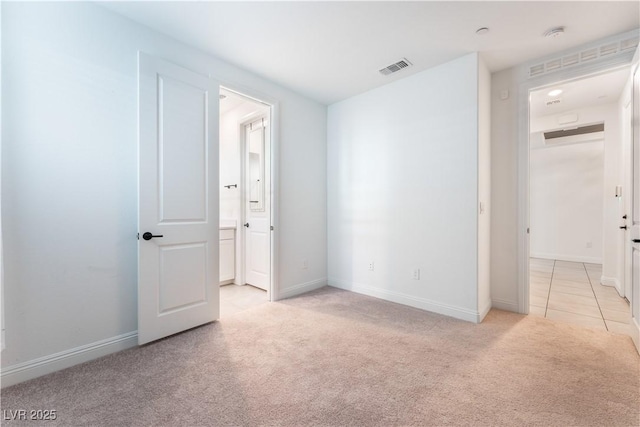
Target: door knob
{"type": "Point", "coordinates": [149, 236]}
{"type": "Point", "coordinates": [636, 240]}
{"type": "Point", "coordinates": [624, 217]}
{"type": "Point", "coordinates": [246, 225]}
{"type": "Point", "coordinates": [623, 227]}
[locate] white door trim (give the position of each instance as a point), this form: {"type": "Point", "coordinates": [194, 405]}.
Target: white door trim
{"type": "Point", "coordinates": [274, 129]}
{"type": "Point", "coordinates": [575, 73]}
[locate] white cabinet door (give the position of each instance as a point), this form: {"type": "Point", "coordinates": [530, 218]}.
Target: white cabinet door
{"type": "Point", "coordinates": [227, 259]}
{"type": "Point", "coordinates": [178, 199]}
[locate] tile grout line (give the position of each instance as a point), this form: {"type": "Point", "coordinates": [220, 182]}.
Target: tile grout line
{"type": "Point", "coordinates": [546, 307]}
{"type": "Point", "coordinates": [595, 297]}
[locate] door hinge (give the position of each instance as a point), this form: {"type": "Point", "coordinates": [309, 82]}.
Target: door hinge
{"type": "Point", "coordinates": [271, 228]}
{"type": "Point", "coordinates": [527, 230]}
{"type": "Point", "coordinates": [138, 236]}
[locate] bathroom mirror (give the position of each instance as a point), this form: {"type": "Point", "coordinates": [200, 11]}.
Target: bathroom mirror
{"type": "Point", "coordinates": [256, 169]}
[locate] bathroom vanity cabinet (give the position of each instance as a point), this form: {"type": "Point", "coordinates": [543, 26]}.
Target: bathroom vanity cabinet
{"type": "Point", "coordinates": [227, 255]}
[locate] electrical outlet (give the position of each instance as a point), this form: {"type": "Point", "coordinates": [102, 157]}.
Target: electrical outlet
{"type": "Point", "coordinates": [370, 265]}
{"type": "Point", "coordinates": [305, 265]}
{"type": "Point", "coordinates": [416, 274]}
{"type": "Point", "coordinates": [588, 244]}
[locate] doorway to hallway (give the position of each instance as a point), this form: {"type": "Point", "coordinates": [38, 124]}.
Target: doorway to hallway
{"type": "Point", "coordinates": [577, 157]}
{"type": "Point", "coordinates": [570, 292]}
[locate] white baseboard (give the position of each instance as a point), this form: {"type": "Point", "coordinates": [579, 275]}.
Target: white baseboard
{"type": "Point", "coordinates": [302, 288]}
{"type": "Point", "coordinates": [572, 258]}
{"type": "Point", "coordinates": [417, 302]}
{"type": "Point", "coordinates": [611, 281]}
{"type": "Point", "coordinates": [485, 310]}
{"type": "Point", "coordinates": [505, 305]}
{"type": "Point", "coordinates": [45, 365]}
{"type": "Point", "coordinates": [635, 333]}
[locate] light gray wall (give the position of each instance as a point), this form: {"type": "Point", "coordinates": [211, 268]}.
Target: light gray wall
{"type": "Point", "coordinates": [588, 210]}
{"type": "Point", "coordinates": [69, 179]}
{"type": "Point", "coordinates": [403, 190]}
{"type": "Point", "coordinates": [504, 191]}
{"type": "Point", "coordinates": [566, 194]}
{"type": "Point", "coordinates": [1, 239]}
{"type": "Point", "coordinates": [484, 187]}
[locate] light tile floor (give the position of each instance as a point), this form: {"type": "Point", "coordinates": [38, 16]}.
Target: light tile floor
{"type": "Point", "coordinates": [571, 292]}
{"type": "Point", "coordinates": [235, 298]}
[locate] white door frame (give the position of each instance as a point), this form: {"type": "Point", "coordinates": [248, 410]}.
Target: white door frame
{"type": "Point", "coordinates": [577, 72]}
{"type": "Point", "coordinates": [273, 292]}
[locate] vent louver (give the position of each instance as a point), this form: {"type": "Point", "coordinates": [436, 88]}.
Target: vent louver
{"type": "Point", "coordinates": [608, 49]}
{"type": "Point", "coordinates": [587, 55]}
{"type": "Point", "coordinates": [390, 69]}
{"type": "Point", "coordinates": [628, 44]}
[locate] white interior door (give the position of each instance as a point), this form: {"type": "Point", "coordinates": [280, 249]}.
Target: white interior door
{"type": "Point", "coordinates": [627, 196]}
{"type": "Point", "coordinates": [258, 204]}
{"type": "Point", "coordinates": [178, 199]}
{"type": "Point", "coordinates": [635, 213]}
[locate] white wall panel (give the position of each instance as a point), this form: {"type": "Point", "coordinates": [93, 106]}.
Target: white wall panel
{"type": "Point", "coordinates": [403, 189]}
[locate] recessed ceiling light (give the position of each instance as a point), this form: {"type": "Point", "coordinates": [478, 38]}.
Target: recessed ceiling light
{"type": "Point", "coordinates": [554, 32]}
{"type": "Point", "coordinates": [555, 92]}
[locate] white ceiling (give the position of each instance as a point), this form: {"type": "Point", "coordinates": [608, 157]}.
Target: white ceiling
{"type": "Point", "coordinates": [597, 90]}
{"type": "Point", "coordinates": [330, 51]}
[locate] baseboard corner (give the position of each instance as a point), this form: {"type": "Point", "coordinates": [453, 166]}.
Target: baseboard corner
{"type": "Point", "coordinates": [612, 282]}
{"type": "Point", "coordinates": [484, 311]}
{"type": "Point", "coordinates": [301, 288]}
{"type": "Point", "coordinates": [505, 305]}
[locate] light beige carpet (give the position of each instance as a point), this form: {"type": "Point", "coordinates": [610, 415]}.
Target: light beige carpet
{"type": "Point", "coordinates": [336, 358]}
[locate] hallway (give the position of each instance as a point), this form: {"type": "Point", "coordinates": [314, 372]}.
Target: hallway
{"type": "Point", "coordinates": [571, 292]}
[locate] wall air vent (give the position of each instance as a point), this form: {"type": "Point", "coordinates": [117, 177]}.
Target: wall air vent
{"type": "Point", "coordinates": [629, 44]}
{"type": "Point", "coordinates": [594, 53]}
{"type": "Point", "coordinates": [575, 135]}
{"type": "Point", "coordinates": [390, 69]}
{"type": "Point", "coordinates": [570, 60]}
{"type": "Point", "coordinates": [536, 69]}
{"type": "Point", "coordinates": [556, 64]}
{"type": "Point", "coordinates": [608, 49]}
{"type": "Point", "coordinates": [588, 54]}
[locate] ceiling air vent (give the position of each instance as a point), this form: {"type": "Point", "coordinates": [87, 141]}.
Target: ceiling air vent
{"type": "Point", "coordinates": [575, 135]}
{"type": "Point", "coordinates": [390, 69]}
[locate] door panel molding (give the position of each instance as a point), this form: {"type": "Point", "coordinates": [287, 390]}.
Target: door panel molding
{"type": "Point", "coordinates": [178, 199]}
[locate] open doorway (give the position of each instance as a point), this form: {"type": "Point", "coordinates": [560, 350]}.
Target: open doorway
{"type": "Point", "coordinates": [245, 202]}
{"type": "Point", "coordinates": [579, 150]}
